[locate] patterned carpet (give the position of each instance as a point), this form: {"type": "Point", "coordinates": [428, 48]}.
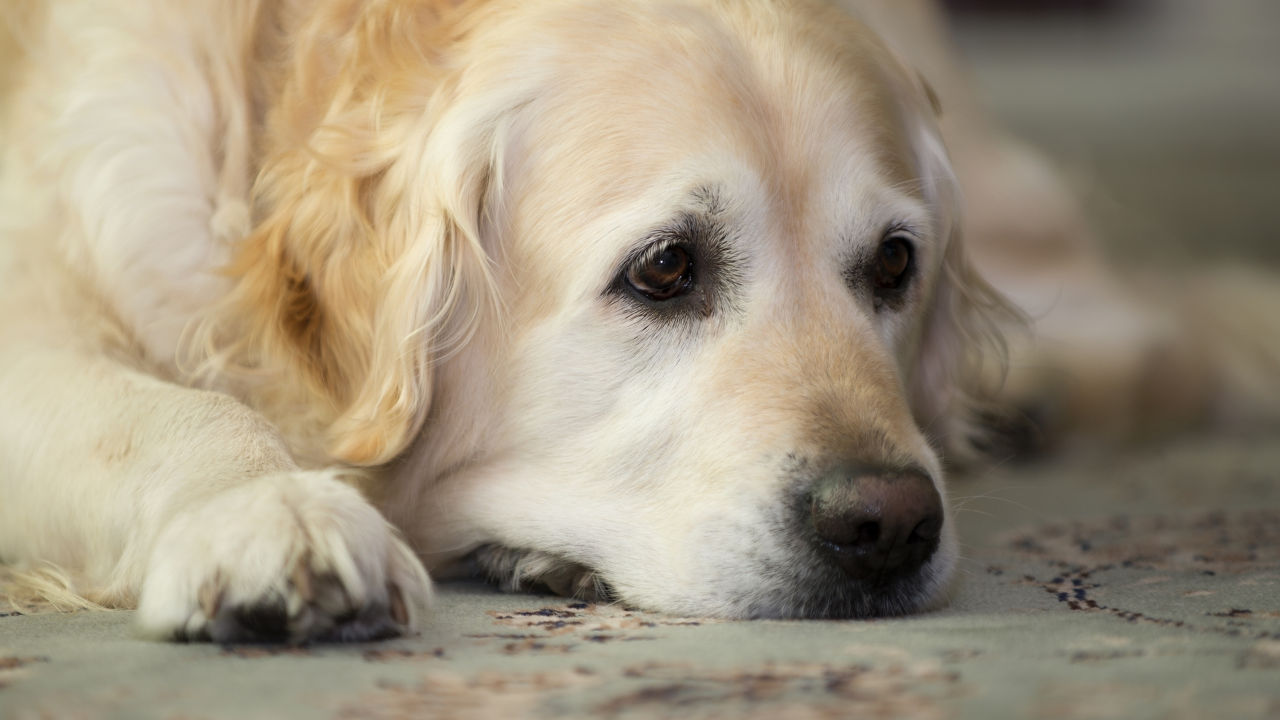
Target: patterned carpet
{"type": "Point", "coordinates": [1140, 586]}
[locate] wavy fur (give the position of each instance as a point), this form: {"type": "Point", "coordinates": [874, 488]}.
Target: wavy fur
{"type": "Point", "coordinates": [248, 245]}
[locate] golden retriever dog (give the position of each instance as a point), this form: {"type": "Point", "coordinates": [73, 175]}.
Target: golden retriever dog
{"type": "Point", "coordinates": [658, 300]}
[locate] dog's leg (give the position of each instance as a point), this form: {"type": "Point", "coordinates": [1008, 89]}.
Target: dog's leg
{"type": "Point", "coordinates": [190, 502]}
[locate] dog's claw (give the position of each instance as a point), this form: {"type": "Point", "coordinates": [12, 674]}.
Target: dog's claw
{"type": "Point", "coordinates": [399, 606]}
{"type": "Point", "coordinates": [245, 568]}
{"type": "Point", "coordinates": [302, 582]}
{"type": "Point", "coordinates": [211, 596]}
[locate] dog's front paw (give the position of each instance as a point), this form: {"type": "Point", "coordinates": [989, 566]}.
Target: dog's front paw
{"type": "Point", "coordinates": [289, 558]}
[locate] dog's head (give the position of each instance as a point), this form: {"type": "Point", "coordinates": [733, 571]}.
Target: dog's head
{"type": "Point", "coordinates": [669, 290]}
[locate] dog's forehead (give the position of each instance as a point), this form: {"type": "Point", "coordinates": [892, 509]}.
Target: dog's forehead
{"type": "Point", "coordinates": [651, 104]}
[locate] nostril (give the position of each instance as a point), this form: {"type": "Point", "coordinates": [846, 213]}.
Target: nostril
{"type": "Point", "coordinates": [874, 523]}
{"type": "Point", "coordinates": [868, 533]}
{"type": "Point", "coordinates": [927, 530]}
{"type": "Point", "coordinates": [835, 521]}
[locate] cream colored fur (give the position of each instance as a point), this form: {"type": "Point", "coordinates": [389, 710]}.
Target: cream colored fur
{"type": "Point", "coordinates": [251, 246]}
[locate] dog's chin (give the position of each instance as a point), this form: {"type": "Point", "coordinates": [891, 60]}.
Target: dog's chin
{"type": "Point", "coordinates": [829, 595]}
{"type": "Point", "coordinates": [811, 585]}
{"type": "Point", "coordinates": [819, 592]}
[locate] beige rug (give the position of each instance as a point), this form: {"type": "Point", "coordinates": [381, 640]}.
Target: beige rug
{"type": "Point", "coordinates": [1140, 586]}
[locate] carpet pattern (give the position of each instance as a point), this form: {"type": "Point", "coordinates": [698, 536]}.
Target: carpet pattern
{"type": "Point", "coordinates": [1140, 586]}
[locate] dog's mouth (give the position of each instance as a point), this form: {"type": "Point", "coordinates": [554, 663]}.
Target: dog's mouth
{"type": "Point", "coordinates": [517, 570]}
{"type": "Point", "coordinates": [816, 591]}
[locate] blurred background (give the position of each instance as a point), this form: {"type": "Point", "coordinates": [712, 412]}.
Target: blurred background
{"type": "Point", "coordinates": [1163, 114]}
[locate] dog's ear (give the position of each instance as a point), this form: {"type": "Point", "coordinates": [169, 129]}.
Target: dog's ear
{"type": "Point", "coordinates": [961, 355]}
{"type": "Point", "coordinates": [961, 359]}
{"type": "Point", "coordinates": [935, 102]}
{"type": "Point", "coordinates": [364, 257]}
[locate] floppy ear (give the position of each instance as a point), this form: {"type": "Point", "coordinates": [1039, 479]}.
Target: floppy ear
{"type": "Point", "coordinates": [961, 355]}
{"type": "Point", "coordinates": [365, 241]}
{"type": "Point", "coordinates": [935, 102]}
{"type": "Point", "coordinates": [961, 359]}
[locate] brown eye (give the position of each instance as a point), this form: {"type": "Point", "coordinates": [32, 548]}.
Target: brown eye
{"type": "Point", "coordinates": [663, 276]}
{"type": "Point", "coordinates": [892, 264]}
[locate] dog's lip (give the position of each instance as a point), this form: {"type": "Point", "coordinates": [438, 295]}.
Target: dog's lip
{"type": "Point", "coordinates": [844, 554]}
{"type": "Point", "coordinates": [831, 595]}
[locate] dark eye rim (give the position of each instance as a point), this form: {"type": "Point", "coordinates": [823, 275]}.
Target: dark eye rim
{"type": "Point", "coordinates": [902, 277]}
{"type": "Point", "coordinates": [894, 296]}
{"type": "Point", "coordinates": [715, 275]}
{"type": "Point", "coordinates": [681, 288]}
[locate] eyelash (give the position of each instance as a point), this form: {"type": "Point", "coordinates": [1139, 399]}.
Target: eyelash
{"type": "Point", "coordinates": [715, 269]}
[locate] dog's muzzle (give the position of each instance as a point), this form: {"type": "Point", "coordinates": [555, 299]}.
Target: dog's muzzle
{"type": "Point", "coordinates": [858, 542]}
{"type": "Point", "coordinates": [876, 525]}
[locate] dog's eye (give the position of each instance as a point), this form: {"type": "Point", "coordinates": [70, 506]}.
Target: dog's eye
{"type": "Point", "coordinates": [892, 264]}
{"type": "Point", "coordinates": [663, 276]}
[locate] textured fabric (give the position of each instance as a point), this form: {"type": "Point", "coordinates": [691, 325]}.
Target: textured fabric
{"type": "Point", "coordinates": [1144, 586]}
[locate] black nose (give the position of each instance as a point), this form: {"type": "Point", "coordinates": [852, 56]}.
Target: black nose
{"type": "Point", "coordinates": [878, 524]}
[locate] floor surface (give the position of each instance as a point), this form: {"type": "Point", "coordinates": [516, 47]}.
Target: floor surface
{"type": "Point", "coordinates": [1140, 586]}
